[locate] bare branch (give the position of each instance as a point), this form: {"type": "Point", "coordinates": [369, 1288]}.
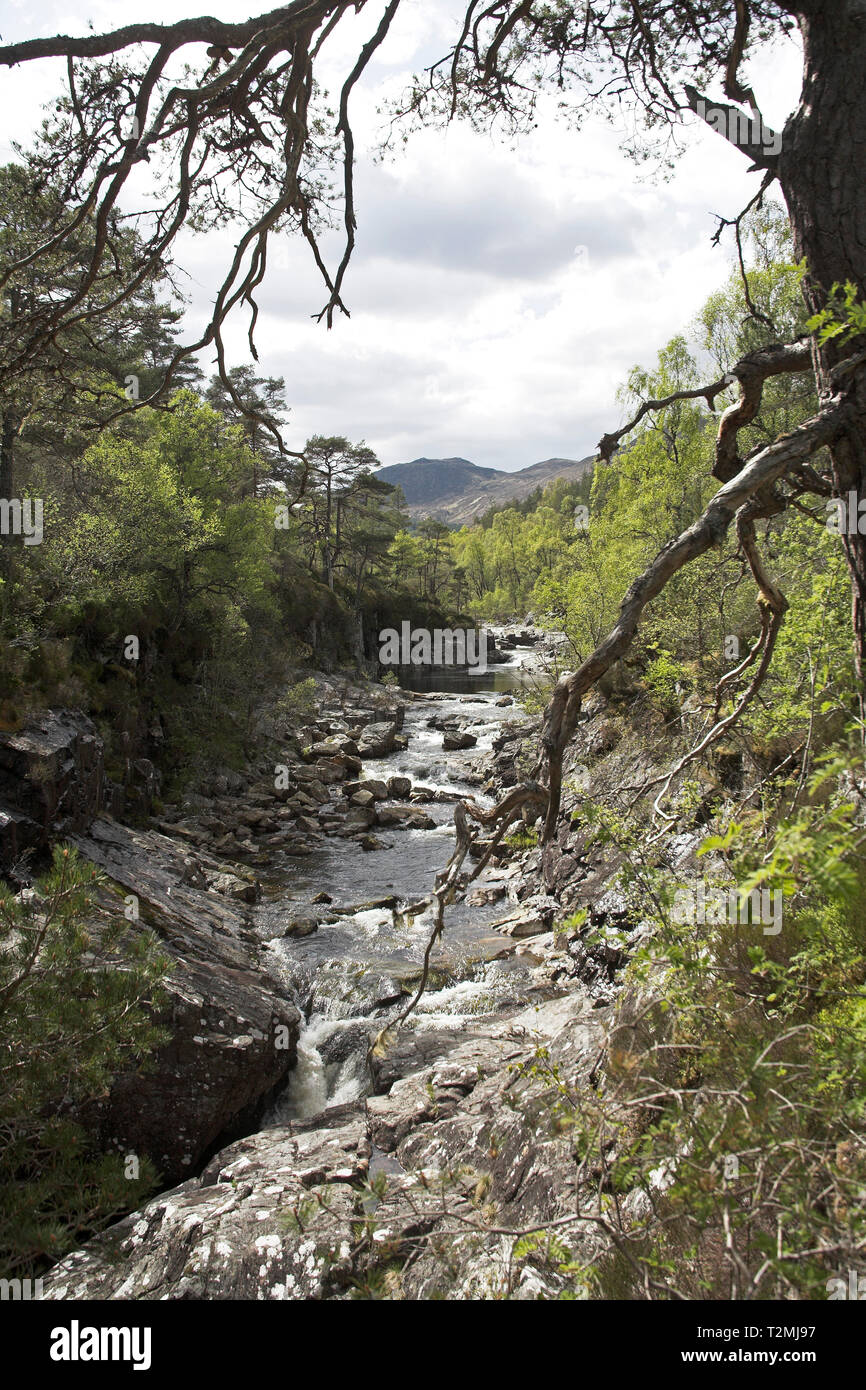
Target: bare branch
{"type": "Point", "coordinates": [748, 133]}
{"type": "Point", "coordinates": [751, 372]}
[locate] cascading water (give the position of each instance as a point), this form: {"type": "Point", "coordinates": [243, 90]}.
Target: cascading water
{"type": "Point", "coordinates": [361, 965]}
{"type": "Point", "coordinates": [315, 1083]}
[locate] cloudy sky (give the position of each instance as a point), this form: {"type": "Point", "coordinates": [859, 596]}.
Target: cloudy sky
{"type": "Point", "coordinates": [498, 296]}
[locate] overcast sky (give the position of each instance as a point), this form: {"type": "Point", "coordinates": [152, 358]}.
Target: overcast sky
{"type": "Point", "coordinates": [498, 296]}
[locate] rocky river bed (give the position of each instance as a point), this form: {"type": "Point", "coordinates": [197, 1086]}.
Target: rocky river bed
{"type": "Point", "coordinates": [296, 903]}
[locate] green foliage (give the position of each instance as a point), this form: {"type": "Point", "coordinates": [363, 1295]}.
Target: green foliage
{"type": "Point", "coordinates": [843, 316]}
{"type": "Point", "coordinates": [522, 839]}
{"type": "Point", "coordinates": [733, 1100]}
{"type": "Point", "coordinates": [76, 1009]}
{"type": "Point", "coordinates": [298, 704]}
{"type": "Point", "coordinates": [665, 679]}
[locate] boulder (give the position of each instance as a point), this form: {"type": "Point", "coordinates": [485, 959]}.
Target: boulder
{"type": "Point", "coordinates": [377, 740]}
{"type": "Point", "coordinates": [233, 1028]}
{"type": "Point", "coordinates": [52, 780]}
{"type": "Point", "coordinates": [534, 918]}
{"type": "Point", "coordinates": [409, 817]}
{"type": "Point", "coordinates": [301, 926]}
{"type": "Point", "coordinates": [306, 823]}
{"type": "Point", "coordinates": [453, 741]}
{"type": "Point", "coordinates": [322, 750]}
{"type": "Point", "coordinates": [233, 887]}
{"type": "Point", "coordinates": [378, 790]}
{"type": "Point", "coordinates": [359, 818]}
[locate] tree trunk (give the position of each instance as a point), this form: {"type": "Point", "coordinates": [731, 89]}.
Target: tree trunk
{"type": "Point", "coordinates": [821, 170]}
{"type": "Point", "coordinates": [8, 435]}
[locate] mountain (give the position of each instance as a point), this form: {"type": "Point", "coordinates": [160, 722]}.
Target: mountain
{"type": "Point", "coordinates": [433, 481]}
{"type": "Point", "coordinates": [455, 490]}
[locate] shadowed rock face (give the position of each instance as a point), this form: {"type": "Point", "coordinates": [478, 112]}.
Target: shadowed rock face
{"type": "Point", "coordinates": [52, 779]}
{"type": "Point", "coordinates": [234, 1030]}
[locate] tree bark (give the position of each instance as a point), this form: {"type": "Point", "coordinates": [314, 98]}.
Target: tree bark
{"type": "Point", "coordinates": [821, 170]}
{"type": "Point", "coordinates": [11, 424]}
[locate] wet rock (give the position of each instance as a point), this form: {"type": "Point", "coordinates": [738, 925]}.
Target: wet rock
{"type": "Point", "coordinates": [352, 989]}
{"type": "Point", "coordinates": [409, 817]}
{"type": "Point", "coordinates": [453, 742]}
{"type": "Point", "coordinates": [359, 818]}
{"type": "Point", "coordinates": [301, 926]}
{"type": "Point", "coordinates": [377, 740]}
{"type": "Point", "coordinates": [322, 898]}
{"type": "Point", "coordinates": [307, 823]}
{"type": "Point", "coordinates": [399, 787]}
{"type": "Point", "coordinates": [369, 843]}
{"type": "Point", "coordinates": [343, 1043]}
{"type": "Point", "coordinates": [371, 905]}
{"type": "Point", "coordinates": [362, 798]}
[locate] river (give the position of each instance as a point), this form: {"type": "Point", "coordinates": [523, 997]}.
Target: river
{"type": "Point", "coordinates": [354, 972]}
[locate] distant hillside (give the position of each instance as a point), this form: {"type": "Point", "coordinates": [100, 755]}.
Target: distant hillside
{"type": "Point", "coordinates": [455, 490]}
{"type": "Point", "coordinates": [435, 480]}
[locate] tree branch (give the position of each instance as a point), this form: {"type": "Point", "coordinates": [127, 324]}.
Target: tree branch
{"type": "Point", "coordinates": [748, 133]}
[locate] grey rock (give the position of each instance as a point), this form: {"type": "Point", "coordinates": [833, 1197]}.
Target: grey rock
{"type": "Point", "coordinates": [453, 742]}
{"type": "Point", "coordinates": [377, 740]}
{"type": "Point", "coordinates": [221, 1062]}
{"type": "Point", "coordinates": [409, 817]}
{"type": "Point", "coordinates": [52, 780]}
